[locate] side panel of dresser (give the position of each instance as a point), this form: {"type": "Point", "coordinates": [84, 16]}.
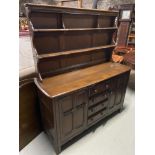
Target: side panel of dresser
{"type": "Point", "coordinates": [49, 118]}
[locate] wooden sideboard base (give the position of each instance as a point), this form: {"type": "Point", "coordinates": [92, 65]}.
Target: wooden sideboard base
{"type": "Point", "coordinates": [69, 112]}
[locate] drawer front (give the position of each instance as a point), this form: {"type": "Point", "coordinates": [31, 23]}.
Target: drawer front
{"type": "Point", "coordinates": [98, 98]}
{"type": "Point", "coordinates": [101, 87]}
{"type": "Point", "coordinates": [94, 109]}
{"type": "Point", "coordinates": [98, 88]}
{"type": "Point", "coordinates": [101, 114]}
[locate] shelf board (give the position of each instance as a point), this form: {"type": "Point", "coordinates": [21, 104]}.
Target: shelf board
{"type": "Point", "coordinates": [131, 43]}
{"type": "Point", "coordinates": [76, 29]}
{"type": "Point", "coordinates": [131, 36]}
{"type": "Point", "coordinates": [50, 55]}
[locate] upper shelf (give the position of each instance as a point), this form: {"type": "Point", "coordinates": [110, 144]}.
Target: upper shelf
{"type": "Point", "coordinates": [51, 17]}
{"type": "Point", "coordinates": [74, 29]}
{"type": "Point", "coordinates": [42, 56]}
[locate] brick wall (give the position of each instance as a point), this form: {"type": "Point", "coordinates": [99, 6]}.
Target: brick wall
{"type": "Point", "coordinates": [102, 4]}
{"type": "Point", "coordinates": [21, 3]}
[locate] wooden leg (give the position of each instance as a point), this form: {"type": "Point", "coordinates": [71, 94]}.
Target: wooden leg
{"type": "Point", "coordinates": [121, 109]}
{"type": "Point", "coordinates": [58, 150]}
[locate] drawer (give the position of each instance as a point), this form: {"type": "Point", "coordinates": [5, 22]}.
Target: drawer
{"type": "Point", "coordinates": [97, 116]}
{"type": "Point", "coordinates": [98, 88]}
{"type": "Point", "coordinates": [98, 98]}
{"type": "Point", "coordinates": [98, 107]}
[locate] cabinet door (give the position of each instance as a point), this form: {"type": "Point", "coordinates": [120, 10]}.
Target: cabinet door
{"type": "Point", "coordinates": [117, 91]}
{"type": "Point", "coordinates": [121, 88]}
{"type": "Point", "coordinates": [72, 114]}
{"type": "Point", "coordinates": [66, 115]}
{"type": "Point", "coordinates": [80, 113]}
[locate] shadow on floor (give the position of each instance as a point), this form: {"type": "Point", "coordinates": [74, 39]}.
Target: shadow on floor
{"type": "Point", "coordinates": [91, 129]}
{"type": "Point", "coordinates": [131, 83]}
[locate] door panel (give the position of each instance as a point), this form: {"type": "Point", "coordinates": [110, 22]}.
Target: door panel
{"type": "Point", "coordinates": [67, 124]}
{"type": "Point", "coordinates": [120, 83]}
{"type": "Point", "coordinates": [66, 106]}
{"type": "Point", "coordinates": [78, 117]}
{"type": "Point", "coordinates": [112, 94]}
{"type": "Point", "coordinates": [67, 103]}
{"type": "Point", "coordinates": [80, 114]}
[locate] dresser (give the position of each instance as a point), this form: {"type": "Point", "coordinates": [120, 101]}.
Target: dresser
{"type": "Point", "coordinates": [77, 83]}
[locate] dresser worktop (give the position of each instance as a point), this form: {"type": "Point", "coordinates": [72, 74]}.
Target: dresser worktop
{"type": "Point", "coordinates": [71, 81]}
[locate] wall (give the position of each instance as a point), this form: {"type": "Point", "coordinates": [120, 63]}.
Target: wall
{"type": "Point", "coordinates": [102, 4]}
{"type": "Point", "coordinates": [21, 3]}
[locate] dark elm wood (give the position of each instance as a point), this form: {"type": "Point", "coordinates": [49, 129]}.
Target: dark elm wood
{"type": "Point", "coordinates": [29, 112]}
{"type": "Point", "coordinates": [57, 41]}
{"type": "Point", "coordinates": [77, 83]}
{"type": "Point", "coordinates": [67, 82]}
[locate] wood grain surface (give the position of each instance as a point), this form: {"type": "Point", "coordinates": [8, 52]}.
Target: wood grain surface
{"type": "Point", "coordinates": [63, 83]}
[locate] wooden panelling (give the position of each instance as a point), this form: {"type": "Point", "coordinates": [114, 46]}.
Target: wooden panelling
{"type": "Point", "coordinates": [101, 38]}
{"type": "Point", "coordinates": [104, 21]}
{"type": "Point", "coordinates": [64, 63]}
{"type": "Point", "coordinates": [76, 21]}
{"type": "Point", "coordinates": [46, 42]}
{"type": "Point", "coordinates": [49, 42]}
{"type": "Point", "coordinates": [67, 104]}
{"type": "Point", "coordinates": [49, 20]}
{"type": "Point", "coordinates": [72, 40]}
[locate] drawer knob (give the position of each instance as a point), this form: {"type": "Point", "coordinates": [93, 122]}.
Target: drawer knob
{"type": "Point", "coordinates": [92, 119]}
{"type": "Point", "coordinates": [95, 90]}
{"type": "Point", "coordinates": [107, 86]}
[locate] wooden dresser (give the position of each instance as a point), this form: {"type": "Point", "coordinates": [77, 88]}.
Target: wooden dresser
{"type": "Point", "coordinates": [77, 83]}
